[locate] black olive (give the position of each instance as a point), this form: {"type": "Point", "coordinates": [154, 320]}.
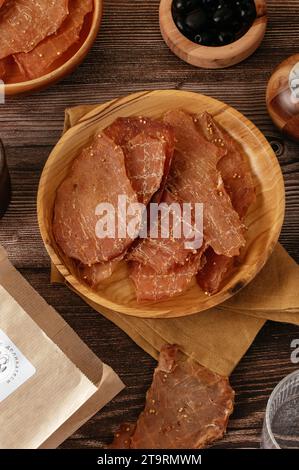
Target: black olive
{"type": "Point", "coordinates": [204, 39]}
{"type": "Point", "coordinates": [196, 20]}
{"type": "Point", "coordinates": [179, 5]}
{"type": "Point", "coordinates": [222, 16]}
{"type": "Point", "coordinates": [236, 25]}
{"type": "Point", "coordinates": [213, 22]}
{"type": "Point", "coordinates": [192, 5]}
{"type": "Point", "coordinates": [181, 25]}
{"type": "Point", "coordinates": [185, 6]}
{"type": "Point", "coordinates": [247, 10]}
{"type": "Point", "coordinates": [226, 37]}
{"type": "Point", "coordinates": [210, 3]}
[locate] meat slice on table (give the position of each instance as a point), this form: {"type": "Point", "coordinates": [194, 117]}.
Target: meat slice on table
{"type": "Point", "coordinates": [122, 437]}
{"type": "Point", "coordinates": [98, 175]}
{"type": "Point", "coordinates": [238, 181]}
{"type": "Point", "coordinates": [148, 146]}
{"type": "Point", "coordinates": [194, 178]}
{"type": "Point", "coordinates": [187, 406]}
{"type": "Point", "coordinates": [153, 286]}
{"type": "Point", "coordinates": [35, 63]}
{"type": "Point", "coordinates": [25, 23]}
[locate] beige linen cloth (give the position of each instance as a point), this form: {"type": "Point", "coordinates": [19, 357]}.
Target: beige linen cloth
{"type": "Point", "coordinates": [219, 337]}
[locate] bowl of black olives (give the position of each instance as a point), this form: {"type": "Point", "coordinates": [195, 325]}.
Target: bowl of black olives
{"type": "Point", "coordinates": [213, 33]}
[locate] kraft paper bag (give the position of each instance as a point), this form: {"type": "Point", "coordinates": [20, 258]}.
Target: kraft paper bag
{"type": "Point", "coordinates": [50, 381]}
{"type": "Point", "coordinates": [219, 337]}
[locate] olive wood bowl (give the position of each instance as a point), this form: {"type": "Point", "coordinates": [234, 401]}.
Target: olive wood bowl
{"type": "Point", "coordinates": [212, 57]}
{"type": "Point", "coordinates": [68, 62]}
{"type": "Point", "coordinates": [264, 220]}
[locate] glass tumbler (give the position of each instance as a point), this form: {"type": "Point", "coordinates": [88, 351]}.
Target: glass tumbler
{"type": "Point", "coordinates": [281, 423]}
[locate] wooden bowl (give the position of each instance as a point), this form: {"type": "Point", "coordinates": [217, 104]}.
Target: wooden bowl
{"type": "Point", "coordinates": [212, 57]}
{"type": "Point", "coordinates": [69, 61]}
{"type": "Point", "coordinates": [264, 219]}
{"type": "Point", "coordinates": [283, 97]}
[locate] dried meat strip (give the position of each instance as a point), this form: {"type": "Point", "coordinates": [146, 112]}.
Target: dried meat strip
{"type": "Point", "coordinates": [25, 23]}
{"type": "Point", "coordinates": [238, 181]}
{"type": "Point", "coordinates": [148, 148]}
{"type": "Point", "coordinates": [194, 178]}
{"type": "Point", "coordinates": [98, 175]}
{"type": "Point", "coordinates": [122, 437]}
{"type": "Point", "coordinates": [95, 274]}
{"type": "Point", "coordinates": [214, 271]}
{"type": "Point", "coordinates": [153, 286]}
{"type": "Point", "coordinates": [233, 166]}
{"type": "Point", "coordinates": [187, 407]}
{"type": "Point", "coordinates": [148, 145]}
{"type": "Point", "coordinates": [35, 63]}
{"type": "Point", "coordinates": [145, 161]}
{"type": "Point", "coordinates": [2, 69]}
{"type": "Point", "coordinates": [162, 254]}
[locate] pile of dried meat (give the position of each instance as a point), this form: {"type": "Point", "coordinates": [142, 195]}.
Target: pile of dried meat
{"type": "Point", "coordinates": [178, 159]}
{"type": "Point", "coordinates": [187, 407]}
{"type": "Point", "coordinates": [36, 34]}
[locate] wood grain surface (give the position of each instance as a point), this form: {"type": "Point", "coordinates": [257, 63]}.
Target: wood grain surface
{"type": "Point", "coordinates": [130, 55]}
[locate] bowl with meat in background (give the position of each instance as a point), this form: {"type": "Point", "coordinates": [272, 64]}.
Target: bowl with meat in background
{"type": "Point", "coordinates": [60, 43]}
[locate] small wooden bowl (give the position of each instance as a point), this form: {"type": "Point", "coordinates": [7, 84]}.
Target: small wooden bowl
{"type": "Point", "coordinates": [70, 60]}
{"type": "Point", "coordinates": [264, 220]}
{"type": "Point", "coordinates": [212, 57]}
{"type": "Point", "coordinates": [283, 97]}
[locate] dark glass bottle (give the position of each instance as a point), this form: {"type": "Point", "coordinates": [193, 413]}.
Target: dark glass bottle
{"type": "Point", "coordinates": [5, 187]}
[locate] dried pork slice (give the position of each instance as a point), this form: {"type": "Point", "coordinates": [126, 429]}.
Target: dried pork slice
{"type": "Point", "coordinates": [35, 63]}
{"type": "Point", "coordinates": [98, 175]}
{"type": "Point", "coordinates": [122, 437]}
{"type": "Point", "coordinates": [95, 274]}
{"type": "Point", "coordinates": [233, 166]}
{"type": "Point", "coordinates": [153, 286]}
{"type": "Point", "coordinates": [145, 158]}
{"type": "Point", "coordinates": [215, 270]}
{"type": "Point", "coordinates": [187, 406]}
{"type": "Point", "coordinates": [2, 2]}
{"type": "Point", "coordinates": [25, 23]}
{"type": "Point", "coordinates": [147, 166]}
{"type": "Point", "coordinates": [2, 69]}
{"type": "Point", "coordinates": [161, 254]}
{"type": "Point", "coordinates": [194, 178]}
{"type": "Point", "coordinates": [236, 174]}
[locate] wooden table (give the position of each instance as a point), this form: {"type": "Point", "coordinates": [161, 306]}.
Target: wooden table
{"type": "Point", "coordinates": [129, 55]}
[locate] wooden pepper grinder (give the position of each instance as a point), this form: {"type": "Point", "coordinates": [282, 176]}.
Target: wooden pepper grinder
{"type": "Point", "coordinates": [283, 97]}
{"type": "Point", "coordinates": [5, 187]}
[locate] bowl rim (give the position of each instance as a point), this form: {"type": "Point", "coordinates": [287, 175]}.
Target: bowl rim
{"type": "Point", "coordinates": [189, 51]}
{"type": "Point", "coordinates": [92, 295]}
{"type": "Point", "coordinates": [66, 67]}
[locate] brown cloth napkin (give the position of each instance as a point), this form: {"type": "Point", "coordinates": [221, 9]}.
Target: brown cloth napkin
{"type": "Point", "coordinates": [219, 337]}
